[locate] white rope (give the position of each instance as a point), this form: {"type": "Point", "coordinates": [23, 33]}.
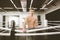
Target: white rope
{"type": "Point", "coordinates": [51, 21]}
{"type": "Point", "coordinates": [33, 30]}
{"type": "Point", "coordinates": [46, 28]}
{"type": "Point", "coordinates": [54, 23]}
{"type": "Point", "coordinates": [35, 34]}
{"type": "Point", "coordinates": [30, 34]}
{"type": "Point", "coordinates": [3, 31]}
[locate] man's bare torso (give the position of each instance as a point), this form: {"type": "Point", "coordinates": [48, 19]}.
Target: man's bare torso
{"type": "Point", "coordinates": [31, 21]}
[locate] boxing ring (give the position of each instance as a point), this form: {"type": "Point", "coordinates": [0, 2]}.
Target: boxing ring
{"type": "Point", "coordinates": [29, 32]}
{"type": "Point", "coordinates": [20, 32]}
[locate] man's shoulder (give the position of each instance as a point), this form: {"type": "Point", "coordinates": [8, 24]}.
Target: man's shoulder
{"type": "Point", "coordinates": [35, 16]}
{"type": "Point", "coordinates": [27, 17]}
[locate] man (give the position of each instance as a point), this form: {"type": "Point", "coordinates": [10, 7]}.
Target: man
{"type": "Point", "coordinates": [31, 21]}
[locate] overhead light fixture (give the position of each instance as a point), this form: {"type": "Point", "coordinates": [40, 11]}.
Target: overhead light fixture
{"type": "Point", "coordinates": [33, 8]}
{"type": "Point", "coordinates": [19, 8]}
{"type": "Point", "coordinates": [13, 4]}
{"type": "Point", "coordinates": [47, 3]}
{"type": "Point", "coordinates": [31, 3]}
{"type": "Point", "coordinates": [11, 8]}
{"type": "Point", "coordinates": [0, 8]}
{"type": "Point", "coordinates": [43, 8]}
{"type": "Point", "coordinates": [24, 5]}
{"type": "Point", "coordinates": [8, 8]}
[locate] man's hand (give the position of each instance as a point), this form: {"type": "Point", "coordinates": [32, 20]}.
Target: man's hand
{"type": "Point", "coordinates": [24, 30]}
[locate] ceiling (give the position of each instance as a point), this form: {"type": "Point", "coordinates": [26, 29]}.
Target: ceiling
{"type": "Point", "coordinates": [6, 5]}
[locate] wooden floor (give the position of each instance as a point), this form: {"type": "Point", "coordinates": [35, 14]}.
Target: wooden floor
{"type": "Point", "coordinates": [51, 37]}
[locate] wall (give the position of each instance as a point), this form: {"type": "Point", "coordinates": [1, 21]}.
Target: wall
{"type": "Point", "coordinates": [21, 15]}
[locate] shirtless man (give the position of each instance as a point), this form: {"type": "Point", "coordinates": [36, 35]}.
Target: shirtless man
{"type": "Point", "coordinates": [31, 21]}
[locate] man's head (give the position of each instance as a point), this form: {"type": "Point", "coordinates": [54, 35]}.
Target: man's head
{"type": "Point", "coordinates": [31, 11]}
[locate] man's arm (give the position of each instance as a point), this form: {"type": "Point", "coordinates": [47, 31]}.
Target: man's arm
{"type": "Point", "coordinates": [24, 25]}
{"type": "Point", "coordinates": [36, 22]}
